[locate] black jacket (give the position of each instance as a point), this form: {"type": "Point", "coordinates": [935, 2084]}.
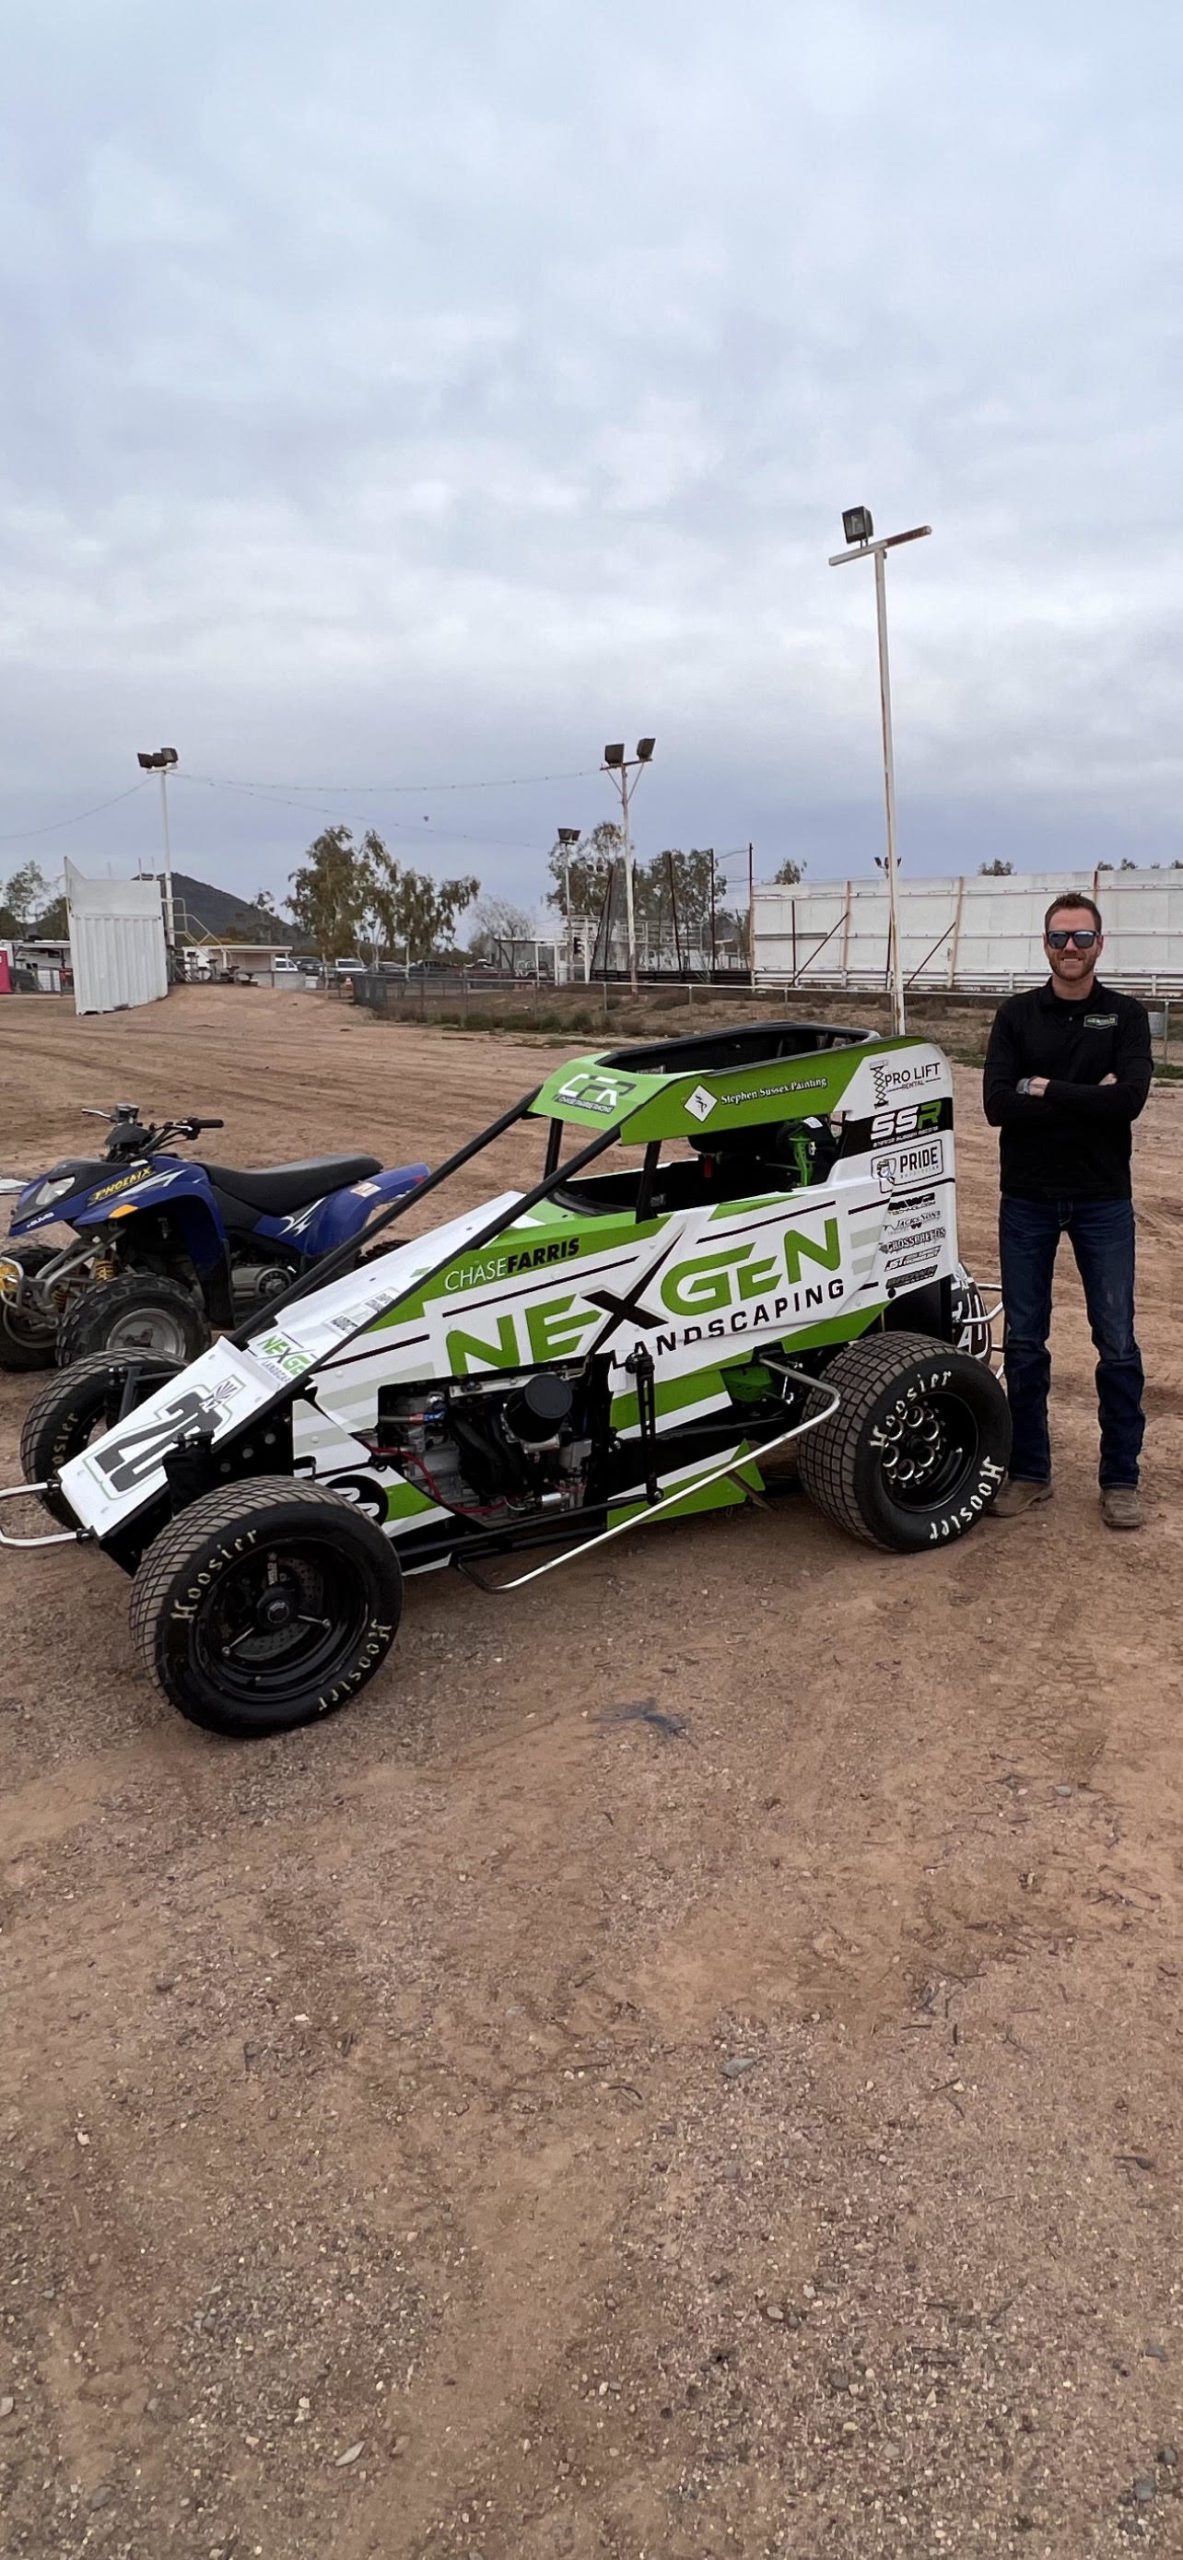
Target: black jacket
{"type": "Point", "coordinates": [1074, 1142]}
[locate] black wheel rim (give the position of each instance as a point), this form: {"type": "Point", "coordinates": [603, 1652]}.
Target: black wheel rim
{"type": "Point", "coordinates": [930, 1451]}
{"type": "Point", "coordinates": [286, 1618]}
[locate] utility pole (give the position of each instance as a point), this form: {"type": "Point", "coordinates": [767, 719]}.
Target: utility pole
{"type": "Point", "coordinates": [565, 839]}
{"type": "Point", "coordinates": [161, 760]}
{"type": "Point", "coordinates": [859, 530]}
{"type": "Point", "coordinates": [669, 864]}
{"type": "Point", "coordinates": [751, 921]}
{"type": "Point", "coordinates": [618, 767]}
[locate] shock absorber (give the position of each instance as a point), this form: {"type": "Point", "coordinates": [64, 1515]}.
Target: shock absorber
{"type": "Point", "coordinates": [640, 1363]}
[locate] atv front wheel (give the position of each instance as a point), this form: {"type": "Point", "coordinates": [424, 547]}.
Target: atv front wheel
{"type": "Point", "coordinates": [918, 1447]}
{"type": "Point", "coordinates": [26, 1336]}
{"type": "Point", "coordinates": [143, 1311]}
{"type": "Point", "coordinates": [265, 1605]}
{"type": "Point", "coordinates": [76, 1406]}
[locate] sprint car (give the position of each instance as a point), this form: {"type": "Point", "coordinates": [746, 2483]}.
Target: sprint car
{"type": "Point", "coordinates": [739, 1247]}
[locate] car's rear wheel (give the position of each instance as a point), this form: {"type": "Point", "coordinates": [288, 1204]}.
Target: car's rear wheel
{"type": "Point", "coordinates": [266, 1605]}
{"type": "Point", "coordinates": [77, 1406]}
{"type": "Point", "coordinates": [27, 1336]}
{"type": "Point", "coordinates": [141, 1311]}
{"type": "Point", "coordinates": [917, 1448]}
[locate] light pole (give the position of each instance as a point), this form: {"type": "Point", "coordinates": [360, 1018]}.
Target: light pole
{"type": "Point", "coordinates": [619, 766]}
{"type": "Point", "coordinates": [860, 531]}
{"type": "Point", "coordinates": [161, 762]}
{"type": "Point", "coordinates": [565, 838]}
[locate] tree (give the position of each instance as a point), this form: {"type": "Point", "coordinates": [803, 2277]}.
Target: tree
{"type": "Point", "coordinates": [53, 924]}
{"type": "Point", "coordinates": [790, 875]}
{"type": "Point", "coordinates": [996, 870]}
{"type": "Point", "coordinates": [328, 896]}
{"type": "Point", "coordinates": [585, 870]}
{"type": "Point", "coordinates": [407, 907]}
{"type": "Point", "coordinates": [499, 925]}
{"type": "Point", "coordinates": [24, 897]}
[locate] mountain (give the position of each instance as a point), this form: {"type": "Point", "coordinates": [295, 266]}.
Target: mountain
{"type": "Point", "coordinates": [203, 910]}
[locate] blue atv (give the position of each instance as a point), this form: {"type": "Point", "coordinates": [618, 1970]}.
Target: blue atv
{"type": "Point", "coordinates": [167, 1249]}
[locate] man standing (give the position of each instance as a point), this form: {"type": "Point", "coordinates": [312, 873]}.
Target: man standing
{"type": "Point", "coordinates": [1068, 1070]}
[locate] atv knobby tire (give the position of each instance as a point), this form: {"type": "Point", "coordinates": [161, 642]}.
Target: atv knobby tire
{"type": "Point", "coordinates": [140, 1310]}
{"type": "Point", "coordinates": [25, 1343]}
{"type": "Point", "coordinates": [266, 1605]}
{"type": "Point", "coordinates": [918, 1447]}
{"type": "Point", "coordinates": [75, 1404]}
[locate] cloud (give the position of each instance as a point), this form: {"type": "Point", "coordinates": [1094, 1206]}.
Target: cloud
{"type": "Point", "coordinates": [435, 394]}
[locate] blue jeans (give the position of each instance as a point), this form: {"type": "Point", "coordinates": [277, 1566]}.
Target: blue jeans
{"type": "Point", "coordinates": [1102, 1237]}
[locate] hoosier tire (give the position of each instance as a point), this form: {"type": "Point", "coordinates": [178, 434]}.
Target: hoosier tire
{"type": "Point", "coordinates": [75, 1404]}
{"type": "Point", "coordinates": [266, 1605]}
{"type": "Point", "coordinates": [144, 1311]}
{"type": "Point", "coordinates": [918, 1447]}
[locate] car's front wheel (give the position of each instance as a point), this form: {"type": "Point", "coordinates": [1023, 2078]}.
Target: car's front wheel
{"type": "Point", "coordinates": [917, 1448]}
{"type": "Point", "coordinates": [266, 1605]}
{"type": "Point", "coordinates": [77, 1406]}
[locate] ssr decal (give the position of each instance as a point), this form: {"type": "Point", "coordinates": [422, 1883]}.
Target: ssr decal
{"type": "Point", "coordinates": [908, 1120]}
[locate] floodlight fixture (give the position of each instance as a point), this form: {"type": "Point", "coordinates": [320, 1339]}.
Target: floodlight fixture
{"type": "Point", "coordinates": [614, 755]}
{"type": "Point", "coordinates": [159, 760]}
{"type": "Point", "coordinates": [857, 524]}
{"type": "Point", "coordinates": [569, 835]}
{"type": "Point", "coordinates": [645, 747]}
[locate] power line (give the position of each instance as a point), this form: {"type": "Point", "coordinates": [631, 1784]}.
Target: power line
{"type": "Point", "coordinates": [274, 796]}
{"type": "Point", "coordinates": [424, 790]}
{"type": "Point", "coordinates": [17, 835]}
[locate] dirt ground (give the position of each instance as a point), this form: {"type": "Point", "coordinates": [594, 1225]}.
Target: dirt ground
{"type": "Point", "coordinates": [493, 2123]}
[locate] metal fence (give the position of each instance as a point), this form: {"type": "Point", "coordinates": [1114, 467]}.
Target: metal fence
{"type": "Point", "coordinates": [458, 996]}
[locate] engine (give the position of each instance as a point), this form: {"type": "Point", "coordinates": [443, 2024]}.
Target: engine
{"type": "Point", "coordinates": [491, 1446]}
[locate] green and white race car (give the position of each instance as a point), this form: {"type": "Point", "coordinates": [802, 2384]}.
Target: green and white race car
{"type": "Point", "coordinates": [773, 1265]}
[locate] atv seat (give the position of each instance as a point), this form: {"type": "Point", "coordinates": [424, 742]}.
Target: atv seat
{"type": "Point", "coordinates": [275, 1190]}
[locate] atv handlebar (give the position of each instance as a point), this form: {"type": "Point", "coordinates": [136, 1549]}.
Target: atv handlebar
{"type": "Point", "coordinates": [130, 1137]}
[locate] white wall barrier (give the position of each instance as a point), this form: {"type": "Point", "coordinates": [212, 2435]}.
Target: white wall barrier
{"type": "Point", "coordinates": [969, 933]}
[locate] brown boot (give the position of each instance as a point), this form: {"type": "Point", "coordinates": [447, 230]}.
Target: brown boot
{"type": "Point", "coordinates": [1121, 1506]}
{"type": "Point", "coordinates": [1019, 1493]}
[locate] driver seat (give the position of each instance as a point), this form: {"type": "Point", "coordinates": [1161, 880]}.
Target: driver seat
{"type": "Point", "coordinates": [275, 1190]}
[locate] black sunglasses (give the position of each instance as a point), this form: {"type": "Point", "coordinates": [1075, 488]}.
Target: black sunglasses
{"type": "Point", "coordinates": [1083, 937]}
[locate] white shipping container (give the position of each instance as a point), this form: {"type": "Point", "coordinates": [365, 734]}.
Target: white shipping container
{"type": "Point", "coordinates": [116, 942]}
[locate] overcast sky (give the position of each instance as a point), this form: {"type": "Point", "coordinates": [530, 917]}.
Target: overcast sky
{"type": "Point", "coordinates": [424, 395]}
